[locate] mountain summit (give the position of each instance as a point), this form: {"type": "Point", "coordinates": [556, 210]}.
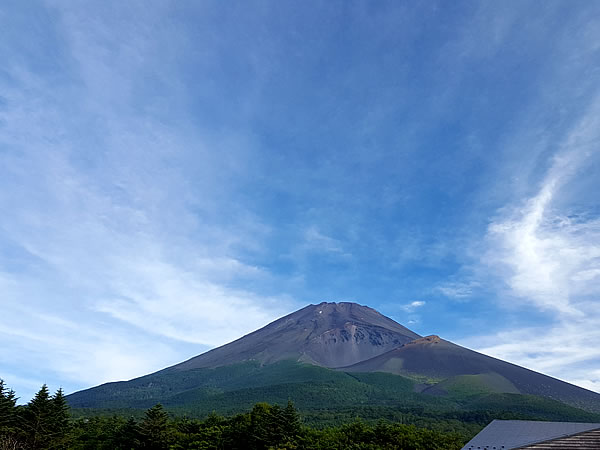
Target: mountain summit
{"type": "Point", "coordinates": [328, 334]}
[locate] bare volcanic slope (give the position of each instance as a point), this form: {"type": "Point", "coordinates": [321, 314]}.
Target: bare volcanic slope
{"type": "Point", "coordinates": [281, 361]}
{"type": "Point", "coordinates": [453, 366]}
{"type": "Point", "coordinates": [327, 334]}
{"type": "Point", "coordinates": [283, 357]}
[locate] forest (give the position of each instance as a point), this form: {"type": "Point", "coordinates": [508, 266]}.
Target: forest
{"type": "Point", "coordinates": [47, 423]}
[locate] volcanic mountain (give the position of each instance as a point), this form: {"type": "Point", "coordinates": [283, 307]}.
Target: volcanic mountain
{"type": "Point", "coordinates": [347, 355]}
{"type": "Point", "coordinates": [327, 334]}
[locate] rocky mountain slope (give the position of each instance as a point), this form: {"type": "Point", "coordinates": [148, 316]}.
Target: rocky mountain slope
{"type": "Point", "coordinates": [447, 367]}
{"type": "Point", "coordinates": [293, 357]}
{"type": "Point", "coordinates": [327, 334]}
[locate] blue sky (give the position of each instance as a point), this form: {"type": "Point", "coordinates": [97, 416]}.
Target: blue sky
{"type": "Point", "coordinates": [174, 175]}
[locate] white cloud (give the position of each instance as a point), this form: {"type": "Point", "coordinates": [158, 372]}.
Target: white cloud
{"type": "Point", "coordinates": [73, 349]}
{"type": "Point", "coordinates": [161, 298]}
{"type": "Point", "coordinates": [315, 240]}
{"type": "Point", "coordinates": [548, 258]}
{"type": "Point", "coordinates": [413, 305]}
{"type": "Point", "coordinates": [112, 250]}
{"type": "Point", "coordinates": [458, 290]}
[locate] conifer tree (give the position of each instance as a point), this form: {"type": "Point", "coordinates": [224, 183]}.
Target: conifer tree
{"type": "Point", "coordinates": [59, 423]}
{"type": "Point", "coordinates": [37, 419]}
{"type": "Point", "coordinates": [128, 436]}
{"type": "Point", "coordinates": [154, 429]}
{"type": "Point", "coordinates": [8, 409]}
{"type": "Point", "coordinates": [292, 428]}
{"type": "Point", "coordinates": [261, 426]}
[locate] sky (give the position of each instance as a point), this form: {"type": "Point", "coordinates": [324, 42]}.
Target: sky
{"type": "Point", "coordinates": [174, 175]}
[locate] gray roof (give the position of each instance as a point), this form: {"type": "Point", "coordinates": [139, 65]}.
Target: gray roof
{"type": "Point", "coordinates": [507, 434]}
{"type": "Point", "coordinates": [588, 440]}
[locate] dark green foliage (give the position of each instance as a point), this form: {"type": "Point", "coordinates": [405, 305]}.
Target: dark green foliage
{"type": "Point", "coordinates": [273, 426]}
{"type": "Point", "coordinates": [128, 436]}
{"type": "Point", "coordinates": [154, 429]}
{"type": "Point", "coordinates": [181, 388]}
{"type": "Point", "coordinates": [291, 426]}
{"type": "Point", "coordinates": [409, 423]}
{"type": "Point", "coordinates": [45, 423]}
{"type": "Point", "coordinates": [37, 420]}
{"type": "Point", "coordinates": [329, 398]}
{"type": "Point", "coordinates": [324, 396]}
{"type": "Point", "coordinates": [97, 433]}
{"type": "Point", "coordinates": [207, 434]}
{"type": "Point", "coordinates": [60, 420]}
{"type": "Point", "coordinates": [384, 435]}
{"type": "Point", "coordinates": [105, 433]}
{"type": "Point", "coordinates": [8, 409]}
{"type": "Point", "coordinates": [9, 432]}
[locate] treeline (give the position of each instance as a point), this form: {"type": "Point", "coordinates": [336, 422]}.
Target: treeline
{"type": "Point", "coordinates": [45, 423]}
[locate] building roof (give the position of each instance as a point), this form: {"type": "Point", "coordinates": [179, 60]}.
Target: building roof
{"type": "Point", "coordinates": [513, 434]}
{"type": "Point", "coordinates": [588, 440]}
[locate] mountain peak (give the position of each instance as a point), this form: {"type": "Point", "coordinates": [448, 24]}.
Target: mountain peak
{"type": "Point", "coordinates": [432, 339]}
{"type": "Point", "coordinates": [350, 311]}
{"type": "Point", "coordinates": [328, 334]}
{"type": "Point", "coordinates": [339, 305]}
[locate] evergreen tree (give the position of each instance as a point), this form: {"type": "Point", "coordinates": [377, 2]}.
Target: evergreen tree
{"type": "Point", "coordinates": [292, 429]}
{"type": "Point", "coordinates": [37, 420]}
{"type": "Point", "coordinates": [128, 436]}
{"type": "Point", "coordinates": [154, 429]}
{"type": "Point", "coordinates": [8, 409]}
{"type": "Point", "coordinates": [237, 435]}
{"type": "Point", "coordinates": [261, 426]}
{"type": "Point", "coordinates": [59, 424]}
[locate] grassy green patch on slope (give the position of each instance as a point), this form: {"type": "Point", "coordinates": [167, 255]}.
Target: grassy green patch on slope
{"type": "Point", "coordinates": [466, 386]}
{"type": "Point", "coordinates": [529, 407]}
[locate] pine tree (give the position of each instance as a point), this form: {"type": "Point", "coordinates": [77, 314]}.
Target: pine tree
{"type": "Point", "coordinates": [154, 429]}
{"type": "Point", "coordinates": [8, 409]}
{"type": "Point", "coordinates": [261, 424]}
{"type": "Point", "coordinates": [60, 420]}
{"type": "Point", "coordinates": [37, 419]}
{"type": "Point", "coordinates": [292, 428]}
{"type": "Point", "coordinates": [128, 436]}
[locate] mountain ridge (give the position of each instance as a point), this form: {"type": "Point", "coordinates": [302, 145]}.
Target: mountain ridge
{"type": "Point", "coordinates": [345, 338]}
{"type": "Point", "coordinates": [327, 334]}
{"type": "Point", "coordinates": [438, 358]}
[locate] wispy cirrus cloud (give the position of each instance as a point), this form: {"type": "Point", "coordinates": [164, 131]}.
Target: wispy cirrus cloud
{"type": "Point", "coordinates": [109, 249]}
{"type": "Point", "coordinates": [180, 173]}
{"type": "Point", "coordinates": [546, 257]}
{"type": "Point", "coordinates": [458, 290]}
{"type": "Point", "coordinates": [315, 240]}
{"type": "Point", "coordinates": [412, 306]}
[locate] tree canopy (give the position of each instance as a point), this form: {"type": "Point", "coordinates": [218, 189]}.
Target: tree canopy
{"type": "Point", "coordinates": [46, 423]}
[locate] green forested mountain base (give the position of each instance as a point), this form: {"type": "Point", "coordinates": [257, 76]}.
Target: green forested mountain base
{"type": "Point", "coordinates": [264, 427]}
{"type": "Point", "coordinates": [45, 423]}
{"type": "Point", "coordinates": [325, 397]}
{"type": "Point", "coordinates": [359, 416]}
